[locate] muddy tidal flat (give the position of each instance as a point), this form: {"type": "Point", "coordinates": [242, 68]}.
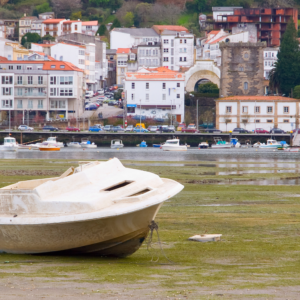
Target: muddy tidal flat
{"type": "Point", "coordinates": [254, 204]}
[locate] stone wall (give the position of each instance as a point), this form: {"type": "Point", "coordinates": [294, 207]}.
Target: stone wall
{"type": "Point", "coordinates": [242, 70]}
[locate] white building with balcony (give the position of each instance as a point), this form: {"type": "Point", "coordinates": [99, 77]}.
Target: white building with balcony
{"type": "Point", "coordinates": [45, 89]}
{"type": "Point", "coordinates": [270, 58]}
{"type": "Point", "coordinates": [90, 27]}
{"type": "Point", "coordinates": [155, 93]}
{"type": "Point", "coordinates": [251, 112]}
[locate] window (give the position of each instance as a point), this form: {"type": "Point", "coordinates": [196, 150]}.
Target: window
{"type": "Point", "coordinates": [131, 110]}
{"type": "Point", "coordinates": [20, 104]}
{"type": "Point", "coordinates": [52, 66]}
{"type": "Point", "coordinates": [133, 85]}
{"type": "Point", "coordinates": [53, 104]}
{"type": "Point", "coordinates": [178, 84]}
{"type": "Point", "coordinates": [7, 91]}
{"type": "Point", "coordinates": [184, 59]}
{"type": "Point", "coordinates": [185, 41]}
{"type": "Point", "coordinates": [65, 80]}
{"type": "Point", "coordinates": [286, 121]}
{"type": "Point", "coordinates": [76, 26]}
{"type": "Point", "coordinates": [178, 96]}
{"type": "Point", "coordinates": [246, 55]}
{"type": "Point", "coordinates": [164, 85]}
{"type": "Point", "coordinates": [257, 121]}
{"type": "Point", "coordinates": [30, 80]}
{"type": "Point", "coordinates": [166, 41]}
{"type": "Point", "coordinates": [147, 97]}
{"type": "Point", "coordinates": [180, 42]}
{"type": "Point", "coordinates": [228, 109]}
{"type": "Point", "coordinates": [28, 67]}
{"type": "Point", "coordinates": [52, 91]}
{"type": "Point", "coordinates": [52, 79]}
{"type": "Point", "coordinates": [172, 60]}
{"type": "Point", "coordinates": [285, 109]}
{"type": "Point", "coordinates": [40, 79]}
{"type": "Point", "coordinates": [245, 86]}
{"type": "Point", "coordinates": [270, 109]}
{"type": "Point", "coordinates": [266, 54]}
{"type": "Point", "coordinates": [10, 67]}
{"type": "Point", "coordinates": [122, 70]}
{"type": "Point", "coordinates": [166, 50]}
{"type": "Point", "coordinates": [20, 79]}
{"type": "Point", "coordinates": [241, 69]}
{"type": "Point", "coordinates": [269, 121]}
{"type": "Point", "coordinates": [19, 92]}
{"type": "Point", "coordinates": [7, 80]}
{"type": "Point", "coordinates": [61, 104]}
{"type": "Point", "coordinates": [62, 66]}
{"type": "Point", "coordinates": [30, 104]}
{"type": "Point", "coordinates": [19, 67]}
{"type": "Point", "coordinates": [81, 52]}
{"type": "Point", "coordinates": [257, 109]}
{"type": "Point", "coordinates": [41, 91]}
{"type": "Point", "coordinates": [65, 92]}
{"type": "Point", "coordinates": [81, 61]}
{"type": "Point", "coordinates": [180, 58]}
{"type": "Point", "coordinates": [7, 103]}
{"type": "Point", "coordinates": [266, 63]}
{"type": "Point", "coordinates": [166, 58]}
{"type": "Point", "coordinates": [132, 97]}
{"type": "Point", "coordinates": [245, 109]}
{"type": "Point", "coordinates": [164, 96]}
{"type": "Point", "coordinates": [147, 85]}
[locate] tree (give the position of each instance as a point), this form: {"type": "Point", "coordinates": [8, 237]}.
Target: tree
{"type": "Point", "coordinates": [48, 37]}
{"type": "Point", "coordinates": [29, 38]}
{"type": "Point", "coordinates": [297, 92]}
{"type": "Point", "coordinates": [288, 63]}
{"type": "Point", "coordinates": [208, 87]}
{"type": "Point", "coordinates": [245, 120]}
{"type": "Point", "coordinates": [129, 19]}
{"type": "Point", "coordinates": [76, 15]}
{"type": "Point", "coordinates": [64, 8]}
{"type": "Point", "coordinates": [116, 24]}
{"type": "Point", "coordinates": [102, 30]}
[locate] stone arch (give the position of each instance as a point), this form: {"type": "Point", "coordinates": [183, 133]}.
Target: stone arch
{"type": "Point", "coordinates": [201, 70]}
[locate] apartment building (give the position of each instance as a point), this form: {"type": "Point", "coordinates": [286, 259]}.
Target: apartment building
{"type": "Point", "coordinates": [149, 54]}
{"type": "Point", "coordinates": [82, 56]}
{"type": "Point", "coordinates": [122, 58]}
{"type": "Point", "coordinates": [155, 93]}
{"type": "Point", "coordinates": [177, 49]}
{"type": "Point", "coordinates": [59, 27]}
{"type": "Point", "coordinates": [7, 28]}
{"type": "Point", "coordinates": [270, 58]}
{"type": "Point", "coordinates": [271, 23]}
{"type": "Point", "coordinates": [132, 37]}
{"type": "Point", "coordinates": [90, 27]}
{"type": "Point", "coordinates": [44, 89]}
{"type": "Point", "coordinates": [253, 112]}
{"type": "Point", "coordinates": [25, 25]}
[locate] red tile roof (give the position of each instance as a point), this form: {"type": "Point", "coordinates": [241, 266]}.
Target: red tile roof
{"type": "Point", "coordinates": [257, 98]}
{"type": "Point", "coordinates": [160, 28]}
{"type": "Point", "coordinates": [2, 58]}
{"type": "Point", "coordinates": [123, 50]}
{"type": "Point", "coordinates": [53, 21]}
{"type": "Point", "coordinates": [47, 64]}
{"type": "Point", "coordinates": [155, 74]}
{"type": "Point", "coordinates": [217, 40]}
{"type": "Point", "coordinates": [90, 23]}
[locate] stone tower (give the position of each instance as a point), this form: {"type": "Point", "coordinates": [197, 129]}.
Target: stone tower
{"type": "Point", "coordinates": [242, 69]}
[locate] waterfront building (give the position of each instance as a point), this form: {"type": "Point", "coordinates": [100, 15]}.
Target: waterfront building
{"type": "Point", "coordinates": [253, 112]}
{"type": "Point", "coordinates": [155, 93]}
{"type": "Point", "coordinates": [41, 89]}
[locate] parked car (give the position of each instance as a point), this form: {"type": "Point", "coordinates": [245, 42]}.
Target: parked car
{"type": "Point", "coordinates": [94, 129]}
{"type": "Point", "coordinates": [191, 128]}
{"type": "Point", "coordinates": [140, 129]}
{"type": "Point", "coordinates": [100, 91]}
{"type": "Point", "coordinates": [95, 94]}
{"type": "Point", "coordinates": [260, 130]}
{"type": "Point", "coordinates": [212, 130]}
{"type": "Point", "coordinates": [172, 127]}
{"type": "Point", "coordinates": [164, 128]}
{"type": "Point", "coordinates": [152, 128]}
{"type": "Point", "coordinates": [51, 128]}
{"type": "Point", "coordinates": [100, 126]}
{"type": "Point", "coordinates": [108, 127]}
{"type": "Point", "coordinates": [91, 106]}
{"type": "Point", "coordinates": [117, 128]}
{"type": "Point", "coordinates": [71, 128]}
{"type": "Point", "coordinates": [25, 128]}
{"type": "Point", "coordinates": [277, 130]}
{"type": "Point", "coordinates": [113, 103]}
{"type": "Point", "coordinates": [240, 130]}
{"type": "Point", "coordinates": [180, 126]}
{"type": "Point", "coordinates": [89, 94]}
{"type": "Point", "coordinates": [129, 128]}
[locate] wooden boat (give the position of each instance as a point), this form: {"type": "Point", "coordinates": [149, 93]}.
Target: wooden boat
{"type": "Point", "coordinates": [48, 147]}
{"type": "Point", "coordinates": [100, 208]}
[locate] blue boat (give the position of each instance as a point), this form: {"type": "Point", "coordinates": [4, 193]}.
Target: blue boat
{"type": "Point", "coordinates": [156, 145]}
{"type": "Point", "coordinates": [143, 144]}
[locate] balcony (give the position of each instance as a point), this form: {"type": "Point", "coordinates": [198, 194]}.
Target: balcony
{"type": "Point", "coordinates": [33, 94]}
{"type": "Point", "coordinates": [25, 83]}
{"type": "Point", "coordinates": [51, 29]}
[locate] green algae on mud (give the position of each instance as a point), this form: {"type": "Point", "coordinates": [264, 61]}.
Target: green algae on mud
{"type": "Point", "coordinates": [259, 247]}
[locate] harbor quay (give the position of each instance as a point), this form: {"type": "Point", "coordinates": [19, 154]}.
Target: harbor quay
{"type": "Point", "coordinates": [132, 139]}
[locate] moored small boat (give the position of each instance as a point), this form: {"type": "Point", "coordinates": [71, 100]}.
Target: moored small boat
{"type": "Point", "coordinates": [10, 144]}
{"type": "Point", "coordinates": [143, 144]}
{"type": "Point", "coordinates": [203, 145]}
{"type": "Point", "coordinates": [273, 144]}
{"type": "Point", "coordinates": [48, 147]}
{"type": "Point", "coordinates": [86, 144]}
{"type": "Point", "coordinates": [116, 144]}
{"type": "Point", "coordinates": [74, 145]}
{"type": "Point", "coordinates": [100, 208]}
{"type": "Point", "coordinates": [220, 144]}
{"type": "Point", "coordinates": [173, 145]}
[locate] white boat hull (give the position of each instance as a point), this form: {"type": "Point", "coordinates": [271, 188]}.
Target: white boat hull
{"type": "Point", "coordinates": [9, 148]}
{"type": "Point", "coordinates": [221, 146]}
{"type": "Point", "coordinates": [74, 145]}
{"type": "Point", "coordinates": [173, 148]}
{"type": "Point", "coordinates": [116, 146]}
{"type": "Point", "coordinates": [100, 236]}
{"type": "Point", "coordinates": [89, 146]}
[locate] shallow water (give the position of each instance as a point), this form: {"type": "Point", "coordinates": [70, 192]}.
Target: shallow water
{"type": "Point", "coordinates": [155, 154]}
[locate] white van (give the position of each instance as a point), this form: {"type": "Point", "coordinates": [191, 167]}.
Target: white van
{"type": "Point", "coordinates": [89, 94]}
